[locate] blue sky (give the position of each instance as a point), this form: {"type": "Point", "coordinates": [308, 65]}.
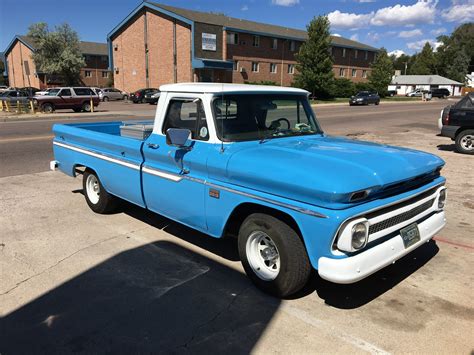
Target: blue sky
{"type": "Point", "coordinates": [396, 25]}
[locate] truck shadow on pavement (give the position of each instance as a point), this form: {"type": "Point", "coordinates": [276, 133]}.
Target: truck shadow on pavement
{"type": "Point", "coordinates": [339, 296]}
{"type": "Point", "coordinates": [160, 297]}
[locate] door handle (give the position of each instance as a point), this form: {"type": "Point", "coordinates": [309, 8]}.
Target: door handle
{"type": "Point", "coordinates": [153, 145]}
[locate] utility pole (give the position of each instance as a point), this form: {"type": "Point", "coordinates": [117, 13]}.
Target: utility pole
{"type": "Point", "coordinates": [406, 64]}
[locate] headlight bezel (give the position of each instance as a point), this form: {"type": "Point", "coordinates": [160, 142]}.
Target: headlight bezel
{"type": "Point", "coordinates": [345, 238]}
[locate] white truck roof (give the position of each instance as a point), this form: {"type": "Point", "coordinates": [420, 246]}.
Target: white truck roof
{"type": "Point", "coordinates": [228, 88]}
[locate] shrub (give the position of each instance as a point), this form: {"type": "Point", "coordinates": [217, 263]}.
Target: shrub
{"type": "Point", "coordinates": [342, 87]}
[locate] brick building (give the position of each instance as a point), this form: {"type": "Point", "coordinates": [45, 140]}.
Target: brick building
{"type": "Point", "coordinates": [21, 69]}
{"type": "Point", "coordinates": [158, 44]}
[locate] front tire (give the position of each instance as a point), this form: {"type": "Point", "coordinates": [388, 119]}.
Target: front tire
{"type": "Point", "coordinates": [273, 255]}
{"type": "Point", "coordinates": [465, 141]}
{"type": "Point", "coordinates": [98, 199]}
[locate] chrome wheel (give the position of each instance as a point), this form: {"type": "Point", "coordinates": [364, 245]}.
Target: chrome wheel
{"type": "Point", "coordinates": [263, 256]}
{"type": "Point", "coordinates": [93, 189]}
{"type": "Point", "coordinates": [467, 142]}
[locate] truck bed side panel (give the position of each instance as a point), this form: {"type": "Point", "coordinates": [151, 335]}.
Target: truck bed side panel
{"type": "Point", "coordinates": [116, 160]}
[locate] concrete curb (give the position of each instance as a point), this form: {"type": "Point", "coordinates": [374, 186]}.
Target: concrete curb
{"type": "Point", "coordinates": [60, 116]}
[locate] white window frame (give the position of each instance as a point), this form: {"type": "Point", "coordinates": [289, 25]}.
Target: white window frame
{"type": "Point", "coordinates": [356, 53]}
{"type": "Point", "coordinates": [354, 73]}
{"type": "Point", "coordinates": [232, 38]}
{"type": "Point", "coordinates": [273, 66]}
{"type": "Point", "coordinates": [342, 72]}
{"type": "Point", "coordinates": [366, 55]}
{"type": "Point", "coordinates": [291, 69]}
{"type": "Point", "coordinates": [257, 66]}
{"type": "Point", "coordinates": [292, 46]}
{"type": "Point", "coordinates": [343, 52]}
{"type": "Point", "coordinates": [256, 41]}
{"type": "Point", "coordinates": [364, 74]}
{"type": "Point", "coordinates": [106, 73]}
{"type": "Point", "coordinates": [274, 43]}
{"type": "Point", "coordinates": [235, 66]}
{"type": "Point", "coordinates": [87, 72]}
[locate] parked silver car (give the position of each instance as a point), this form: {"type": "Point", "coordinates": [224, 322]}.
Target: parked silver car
{"type": "Point", "coordinates": [107, 94]}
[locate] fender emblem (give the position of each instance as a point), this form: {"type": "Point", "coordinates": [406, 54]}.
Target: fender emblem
{"type": "Point", "coordinates": [214, 193]}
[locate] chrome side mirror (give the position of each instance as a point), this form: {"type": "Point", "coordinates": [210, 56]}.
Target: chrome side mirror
{"type": "Point", "coordinates": [178, 137]}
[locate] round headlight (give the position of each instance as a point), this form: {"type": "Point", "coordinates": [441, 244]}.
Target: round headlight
{"type": "Point", "coordinates": [442, 199]}
{"type": "Point", "coordinates": [359, 235]}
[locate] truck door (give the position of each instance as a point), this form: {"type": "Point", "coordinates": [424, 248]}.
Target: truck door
{"type": "Point", "coordinates": [65, 99]}
{"type": "Point", "coordinates": [173, 178]}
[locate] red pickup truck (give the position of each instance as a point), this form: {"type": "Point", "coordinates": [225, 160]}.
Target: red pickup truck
{"type": "Point", "coordinates": [75, 98]}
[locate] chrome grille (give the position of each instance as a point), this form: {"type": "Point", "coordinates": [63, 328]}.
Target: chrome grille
{"type": "Point", "coordinates": [402, 217]}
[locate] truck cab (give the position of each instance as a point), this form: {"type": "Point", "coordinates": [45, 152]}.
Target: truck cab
{"type": "Point", "coordinates": [252, 162]}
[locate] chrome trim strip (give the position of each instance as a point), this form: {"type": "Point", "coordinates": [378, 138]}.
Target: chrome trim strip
{"type": "Point", "coordinates": [98, 155]}
{"type": "Point", "coordinates": [178, 178]}
{"type": "Point", "coordinates": [162, 174]}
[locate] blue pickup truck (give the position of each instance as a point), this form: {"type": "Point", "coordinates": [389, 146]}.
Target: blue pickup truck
{"type": "Point", "coordinates": [252, 162]}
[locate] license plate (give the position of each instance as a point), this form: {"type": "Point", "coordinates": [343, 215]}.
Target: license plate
{"type": "Point", "coordinates": [410, 235]}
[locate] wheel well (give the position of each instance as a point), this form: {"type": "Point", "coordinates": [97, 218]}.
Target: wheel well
{"type": "Point", "coordinates": [244, 210]}
{"type": "Point", "coordinates": [47, 103]}
{"type": "Point", "coordinates": [79, 169]}
{"type": "Point", "coordinates": [463, 128]}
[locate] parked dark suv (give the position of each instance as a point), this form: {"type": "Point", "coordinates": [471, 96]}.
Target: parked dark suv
{"type": "Point", "coordinates": [139, 95]}
{"type": "Point", "coordinates": [457, 123]}
{"type": "Point", "coordinates": [75, 98]}
{"type": "Point", "coordinates": [443, 93]}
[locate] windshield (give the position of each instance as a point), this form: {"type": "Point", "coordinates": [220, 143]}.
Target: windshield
{"type": "Point", "coordinates": [52, 92]}
{"type": "Point", "coordinates": [242, 117]}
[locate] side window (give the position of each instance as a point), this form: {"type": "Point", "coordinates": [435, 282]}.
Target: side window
{"type": "Point", "coordinates": [83, 92]}
{"type": "Point", "coordinates": [65, 92]}
{"type": "Point", "coordinates": [187, 114]}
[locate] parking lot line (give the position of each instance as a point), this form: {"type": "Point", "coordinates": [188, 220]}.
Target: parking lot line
{"type": "Point", "coordinates": [442, 240]}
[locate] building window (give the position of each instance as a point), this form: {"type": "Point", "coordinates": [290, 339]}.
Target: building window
{"type": "Point", "coordinates": [366, 55]}
{"type": "Point", "coordinates": [364, 73]}
{"type": "Point", "coordinates": [88, 74]}
{"type": "Point", "coordinates": [343, 52]}
{"type": "Point", "coordinates": [255, 67]}
{"type": "Point", "coordinates": [273, 68]}
{"type": "Point", "coordinates": [292, 46]}
{"type": "Point", "coordinates": [274, 43]}
{"type": "Point", "coordinates": [291, 68]}
{"type": "Point", "coordinates": [236, 65]}
{"type": "Point", "coordinates": [342, 72]}
{"type": "Point", "coordinates": [232, 38]}
{"type": "Point", "coordinates": [104, 58]}
{"type": "Point", "coordinates": [256, 41]}
{"type": "Point", "coordinates": [356, 53]}
{"type": "Point", "coordinates": [105, 74]}
{"type": "Point", "coordinates": [354, 73]}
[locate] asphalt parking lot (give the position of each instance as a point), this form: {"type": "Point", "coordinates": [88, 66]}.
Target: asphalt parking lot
{"type": "Point", "coordinates": [74, 281]}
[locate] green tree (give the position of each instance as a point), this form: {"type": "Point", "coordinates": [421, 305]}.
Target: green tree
{"type": "Point", "coordinates": [343, 88]}
{"type": "Point", "coordinates": [314, 60]}
{"type": "Point", "coordinates": [455, 55]}
{"type": "Point", "coordinates": [399, 63]}
{"type": "Point", "coordinates": [424, 62]}
{"type": "Point", "coordinates": [57, 52]}
{"type": "Point", "coordinates": [381, 74]}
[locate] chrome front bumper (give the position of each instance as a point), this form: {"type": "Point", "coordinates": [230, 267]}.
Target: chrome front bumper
{"type": "Point", "coordinates": [357, 267]}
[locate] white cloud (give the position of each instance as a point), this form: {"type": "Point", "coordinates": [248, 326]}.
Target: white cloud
{"type": "Point", "coordinates": [397, 53]}
{"type": "Point", "coordinates": [460, 11]}
{"type": "Point", "coordinates": [418, 45]}
{"type": "Point", "coordinates": [423, 11]}
{"type": "Point", "coordinates": [346, 20]}
{"type": "Point", "coordinates": [285, 2]}
{"type": "Point", "coordinates": [244, 8]}
{"type": "Point", "coordinates": [409, 34]}
{"type": "Point", "coordinates": [438, 31]}
{"type": "Point", "coordinates": [355, 37]}
{"type": "Point", "coordinates": [372, 36]}
{"type": "Point", "coordinates": [336, 35]}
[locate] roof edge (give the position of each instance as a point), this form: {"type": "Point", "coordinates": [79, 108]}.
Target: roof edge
{"type": "Point", "coordinates": [10, 45]}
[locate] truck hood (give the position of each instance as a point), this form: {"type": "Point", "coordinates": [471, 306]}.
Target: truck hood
{"type": "Point", "coordinates": [326, 171]}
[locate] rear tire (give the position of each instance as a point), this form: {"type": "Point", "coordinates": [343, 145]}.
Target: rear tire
{"type": "Point", "coordinates": [98, 199]}
{"type": "Point", "coordinates": [105, 99]}
{"type": "Point", "coordinates": [465, 141]}
{"type": "Point", "coordinates": [86, 107]}
{"type": "Point", "coordinates": [47, 108]}
{"type": "Point", "coordinates": [273, 255]}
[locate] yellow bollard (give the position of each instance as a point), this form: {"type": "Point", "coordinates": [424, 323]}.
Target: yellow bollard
{"type": "Point", "coordinates": [7, 105]}
{"type": "Point", "coordinates": [18, 108]}
{"type": "Point", "coordinates": [32, 106]}
{"type": "Point", "coordinates": [1, 105]}
{"type": "Point", "coordinates": [92, 105]}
